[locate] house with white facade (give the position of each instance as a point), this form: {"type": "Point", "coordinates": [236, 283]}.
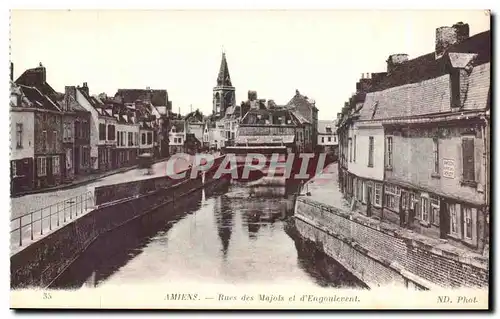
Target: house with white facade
{"type": "Point", "coordinates": [177, 136]}
{"type": "Point", "coordinates": [327, 137]}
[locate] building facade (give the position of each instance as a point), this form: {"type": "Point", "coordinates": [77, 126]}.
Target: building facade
{"type": "Point", "coordinates": [327, 137]}
{"type": "Point", "coordinates": [416, 151]}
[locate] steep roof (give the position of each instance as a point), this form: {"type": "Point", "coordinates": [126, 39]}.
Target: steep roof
{"type": "Point", "coordinates": [179, 125]}
{"type": "Point", "coordinates": [301, 100]}
{"type": "Point", "coordinates": [322, 125]}
{"type": "Point", "coordinates": [223, 78]}
{"type": "Point", "coordinates": [426, 67]}
{"type": "Point", "coordinates": [39, 100]}
{"type": "Point", "coordinates": [157, 97]}
{"type": "Point", "coordinates": [428, 97]}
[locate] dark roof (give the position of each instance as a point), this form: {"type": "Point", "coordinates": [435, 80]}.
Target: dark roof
{"type": "Point", "coordinates": [178, 124]}
{"type": "Point", "coordinates": [157, 97]}
{"type": "Point", "coordinates": [38, 99]}
{"type": "Point", "coordinates": [426, 67]}
{"type": "Point", "coordinates": [300, 100]}
{"type": "Point", "coordinates": [224, 79]}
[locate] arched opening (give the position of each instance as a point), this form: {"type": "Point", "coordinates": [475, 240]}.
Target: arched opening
{"type": "Point", "coordinates": [217, 102]}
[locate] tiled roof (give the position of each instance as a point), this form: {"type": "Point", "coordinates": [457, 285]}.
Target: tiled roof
{"type": "Point", "coordinates": [300, 118]}
{"type": "Point", "coordinates": [265, 139]}
{"type": "Point", "coordinates": [426, 97]}
{"type": "Point", "coordinates": [322, 125]}
{"type": "Point", "coordinates": [178, 124]}
{"type": "Point", "coordinates": [479, 88]}
{"type": "Point", "coordinates": [39, 100]}
{"type": "Point", "coordinates": [426, 67]}
{"type": "Point", "coordinates": [157, 97]}
{"type": "Point", "coordinates": [301, 100]}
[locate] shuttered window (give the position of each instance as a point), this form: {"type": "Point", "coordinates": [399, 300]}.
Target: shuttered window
{"type": "Point", "coordinates": [468, 159]}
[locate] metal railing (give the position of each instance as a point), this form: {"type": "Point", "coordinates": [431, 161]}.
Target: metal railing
{"type": "Point", "coordinates": [35, 223]}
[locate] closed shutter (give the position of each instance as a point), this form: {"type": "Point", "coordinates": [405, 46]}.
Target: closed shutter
{"type": "Point", "coordinates": [468, 159]}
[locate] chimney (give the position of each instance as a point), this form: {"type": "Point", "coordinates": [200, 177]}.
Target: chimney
{"type": "Point", "coordinates": [11, 71]}
{"type": "Point", "coordinates": [85, 88]}
{"type": "Point", "coordinates": [297, 92]}
{"type": "Point", "coordinates": [69, 95]}
{"type": "Point", "coordinates": [448, 36]}
{"type": "Point", "coordinates": [394, 60]}
{"type": "Point", "coordinates": [252, 95]}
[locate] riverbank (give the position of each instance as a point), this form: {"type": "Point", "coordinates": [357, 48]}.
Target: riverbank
{"type": "Point", "coordinates": [377, 252]}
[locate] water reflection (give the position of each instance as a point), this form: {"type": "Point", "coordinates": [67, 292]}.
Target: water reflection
{"type": "Point", "coordinates": [222, 236]}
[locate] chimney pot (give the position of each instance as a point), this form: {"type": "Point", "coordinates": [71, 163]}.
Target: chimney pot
{"type": "Point", "coordinates": [395, 60]}
{"type": "Point", "coordinates": [448, 36]}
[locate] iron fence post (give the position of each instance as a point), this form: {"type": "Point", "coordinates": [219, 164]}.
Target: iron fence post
{"type": "Point", "coordinates": [81, 204]}
{"type": "Point", "coordinates": [64, 211]}
{"type": "Point", "coordinates": [58, 214]}
{"type": "Point", "coordinates": [20, 232]}
{"type": "Point", "coordinates": [50, 217]}
{"type": "Point", "coordinates": [41, 221]}
{"type": "Point", "coordinates": [31, 225]}
{"type": "Point", "coordinates": [70, 210]}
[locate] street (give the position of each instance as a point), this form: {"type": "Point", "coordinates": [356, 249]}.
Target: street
{"type": "Point", "coordinates": [29, 203]}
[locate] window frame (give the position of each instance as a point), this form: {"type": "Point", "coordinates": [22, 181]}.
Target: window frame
{"type": "Point", "coordinates": [389, 151]}
{"type": "Point", "coordinates": [436, 167]}
{"type": "Point", "coordinates": [41, 166]}
{"type": "Point", "coordinates": [371, 149]}
{"type": "Point", "coordinates": [469, 177]}
{"type": "Point", "coordinates": [377, 186]}
{"type": "Point", "coordinates": [19, 135]}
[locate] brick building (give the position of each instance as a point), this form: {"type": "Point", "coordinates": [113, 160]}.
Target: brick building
{"type": "Point", "coordinates": [305, 108]}
{"type": "Point", "coordinates": [415, 151]}
{"type": "Point", "coordinates": [102, 129]}
{"type": "Point", "coordinates": [76, 135]}
{"type": "Point", "coordinates": [39, 96]}
{"type": "Point", "coordinates": [327, 137]}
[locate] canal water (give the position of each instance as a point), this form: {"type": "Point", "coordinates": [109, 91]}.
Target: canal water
{"type": "Point", "coordinates": [236, 235]}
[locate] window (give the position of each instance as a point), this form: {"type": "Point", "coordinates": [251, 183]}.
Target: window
{"type": "Point", "coordinates": [391, 196]}
{"type": "Point", "coordinates": [111, 132]}
{"type": "Point", "coordinates": [130, 139]}
{"type": "Point", "coordinates": [102, 132]}
{"type": "Point", "coordinates": [359, 192]}
{"type": "Point", "coordinates": [435, 211]}
{"type": "Point", "coordinates": [368, 192]}
{"type": "Point", "coordinates": [335, 138]}
{"type": "Point", "coordinates": [424, 209]}
{"type": "Point", "coordinates": [143, 139]}
{"type": "Point", "coordinates": [150, 138]}
{"type": "Point", "coordinates": [41, 166]}
{"type": "Point", "coordinates": [329, 138]}
{"type": "Point", "coordinates": [436, 155]}
{"type": "Point", "coordinates": [467, 213]}
{"type": "Point", "coordinates": [389, 152]}
{"type": "Point", "coordinates": [454, 219]}
{"type": "Point", "coordinates": [55, 165]}
{"type": "Point", "coordinates": [44, 140]}
{"type": "Point", "coordinates": [322, 139]}
{"type": "Point", "coordinates": [378, 195]}
{"type": "Point", "coordinates": [350, 150]}
{"type": "Point", "coordinates": [19, 135]}
{"type": "Point", "coordinates": [404, 200]}
{"type": "Point", "coordinates": [370, 151]}
{"type": "Point", "coordinates": [412, 201]}
{"type": "Point", "coordinates": [118, 141]}
{"type": "Point", "coordinates": [354, 160]}
{"type": "Point", "coordinates": [468, 159]}
{"type": "Point", "coordinates": [54, 140]}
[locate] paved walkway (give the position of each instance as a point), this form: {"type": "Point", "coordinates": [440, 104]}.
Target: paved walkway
{"type": "Point", "coordinates": [324, 188]}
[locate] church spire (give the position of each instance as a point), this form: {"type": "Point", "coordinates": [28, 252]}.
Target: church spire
{"type": "Point", "coordinates": [223, 79]}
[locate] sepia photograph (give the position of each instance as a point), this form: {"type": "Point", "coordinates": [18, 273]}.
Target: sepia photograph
{"type": "Point", "coordinates": [250, 159]}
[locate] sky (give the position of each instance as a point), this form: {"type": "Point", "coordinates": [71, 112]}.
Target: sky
{"type": "Point", "coordinates": [321, 53]}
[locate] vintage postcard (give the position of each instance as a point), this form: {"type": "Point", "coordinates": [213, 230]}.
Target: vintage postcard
{"type": "Point", "coordinates": [284, 159]}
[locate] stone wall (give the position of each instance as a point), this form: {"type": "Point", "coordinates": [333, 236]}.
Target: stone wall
{"type": "Point", "coordinates": [380, 257]}
{"type": "Point", "coordinates": [39, 264]}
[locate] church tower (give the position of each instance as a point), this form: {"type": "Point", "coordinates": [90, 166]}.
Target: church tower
{"type": "Point", "coordinates": [224, 94]}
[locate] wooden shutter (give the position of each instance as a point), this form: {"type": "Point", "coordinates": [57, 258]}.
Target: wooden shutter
{"type": "Point", "coordinates": [468, 159]}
